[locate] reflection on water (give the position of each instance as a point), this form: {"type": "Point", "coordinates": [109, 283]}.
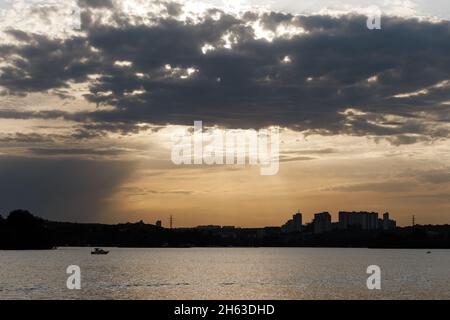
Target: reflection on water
{"type": "Point", "coordinates": [225, 273]}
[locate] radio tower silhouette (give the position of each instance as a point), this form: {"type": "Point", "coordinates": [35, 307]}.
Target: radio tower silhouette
{"type": "Point", "coordinates": [171, 221]}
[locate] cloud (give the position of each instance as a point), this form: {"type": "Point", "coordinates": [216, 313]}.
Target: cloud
{"type": "Point", "coordinates": [77, 151]}
{"type": "Point", "coordinates": [96, 3]}
{"type": "Point", "coordinates": [307, 76]}
{"type": "Point", "coordinates": [388, 186]}
{"type": "Point", "coordinates": [436, 176]}
{"type": "Point", "coordinates": [28, 138]}
{"type": "Point", "coordinates": [137, 191]}
{"type": "Point", "coordinates": [173, 8]}
{"type": "Point", "coordinates": [290, 159]}
{"type": "Point", "coordinates": [23, 115]}
{"type": "Point", "coordinates": [68, 190]}
{"type": "Point", "coordinates": [311, 151]}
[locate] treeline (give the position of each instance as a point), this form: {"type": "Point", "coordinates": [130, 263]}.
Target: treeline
{"type": "Point", "coordinates": [21, 230]}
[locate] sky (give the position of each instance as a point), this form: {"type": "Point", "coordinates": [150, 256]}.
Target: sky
{"type": "Point", "coordinates": [92, 92]}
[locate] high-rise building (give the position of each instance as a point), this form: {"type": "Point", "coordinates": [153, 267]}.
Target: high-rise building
{"type": "Point", "coordinates": [322, 222]}
{"type": "Point", "coordinates": [387, 223]}
{"type": "Point", "coordinates": [358, 220]}
{"type": "Point", "coordinates": [294, 224]}
{"type": "Point", "coordinates": [297, 220]}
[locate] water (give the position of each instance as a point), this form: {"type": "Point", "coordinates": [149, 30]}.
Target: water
{"type": "Point", "coordinates": [225, 273]}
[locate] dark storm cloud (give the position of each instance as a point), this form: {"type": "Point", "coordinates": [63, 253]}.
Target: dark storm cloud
{"type": "Point", "coordinates": [43, 63]}
{"type": "Point", "coordinates": [249, 85]}
{"type": "Point", "coordinates": [70, 190]}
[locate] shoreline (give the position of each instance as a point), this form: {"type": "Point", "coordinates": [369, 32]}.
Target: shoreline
{"type": "Point", "coordinates": [230, 247]}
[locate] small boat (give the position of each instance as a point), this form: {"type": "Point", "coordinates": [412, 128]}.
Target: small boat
{"type": "Point", "coordinates": [99, 251]}
{"type": "Point", "coordinates": [428, 252]}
